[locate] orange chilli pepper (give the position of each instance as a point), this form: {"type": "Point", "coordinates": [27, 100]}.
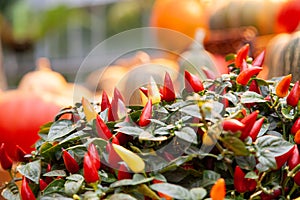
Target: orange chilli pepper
{"type": "Point", "coordinates": [244, 77]}
{"type": "Point", "coordinates": [283, 85]}
{"type": "Point", "coordinates": [218, 190]}
{"type": "Point", "coordinates": [297, 137]}
{"type": "Point", "coordinates": [241, 55]}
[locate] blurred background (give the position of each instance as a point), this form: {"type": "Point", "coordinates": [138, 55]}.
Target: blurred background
{"type": "Point", "coordinates": [43, 44]}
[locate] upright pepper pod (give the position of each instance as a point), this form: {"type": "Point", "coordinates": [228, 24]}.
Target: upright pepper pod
{"type": "Point", "coordinates": [146, 114]}
{"type": "Point", "coordinates": [241, 55]}
{"type": "Point", "coordinates": [256, 128]}
{"type": "Point", "coordinates": [42, 184]}
{"type": "Point", "coordinates": [218, 190]}
{"type": "Point", "coordinates": [168, 92]}
{"type": "Point", "coordinates": [102, 129]}
{"type": "Point", "coordinates": [208, 73]}
{"type": "Point", "coordinates": [5, 160]}
{"type": "Point", "coordinates": [294, 95]}
{"type": "Point", "coordinates": [296, 126]}
{"type": "Point", "coordinates": [232, 125]}
{"type": "Point", "coordinates": [192, 83]}
{"type": "Point", "coordinates": [244, 65]}
{"type": "Point", "coordinates": [280, 160]}
{"type": "Point", "coordinates": [70, 163]}
{"type": "Point", "coordinates": [88, 110]}
{"type": "Point", "coordinates": [26, 192]}
{"type": "Point", "coordinates": [282, 88]}
{"type": "Point", "coordinates": [297, 137]}
{"type": "Point", "coordinates": [20, 154]}
{"type": "Point", "coordinates": [244, 77]}
{"type": "Point", "coordinates": [144, 90]}
{"type": "Point", "coordinates": [239, 183]}
{"type": "Point", "coordinates": [90, 172]}
{"type": "Point", "coordinates": [259, 60]}
{"type": "Point", "coordinates": [113, 157]}
{"type": "Point", "coordinates": [93, 152]}
{"type": "Point", "coordinates": [294, 160]}
{"type": "Point", "coordinates": [248, 121]}
{"type": "Point", "coordinates": [105, 101]}
{"type": "Point", "coordinates": [254, 87]}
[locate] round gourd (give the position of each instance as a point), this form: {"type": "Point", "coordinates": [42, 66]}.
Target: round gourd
{"type": "Point", "coordinates": [22, 114]}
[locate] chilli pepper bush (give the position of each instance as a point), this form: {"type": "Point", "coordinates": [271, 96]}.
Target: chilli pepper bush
{"type": "Point", "coordinates": [235, 137]}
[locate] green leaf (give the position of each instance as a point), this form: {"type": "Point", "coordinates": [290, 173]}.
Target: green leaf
{"type": "Point", "coordinates": [121, 196]}
{"type": "Point", "coordinates": [286, 112]}
{"type": "Point", "coordinates": [149, 137]}
{"type": "Point", "coordinates": [73, 184]}
{"type": "Point", "coordinates": [192, 110]}
{"type": "Point", "coordinates": [11, 192]}
{"type": "Point", "coordinates": [136, 180]}
{"type": "Point", "coordinates": [175, 191]}
{"type": "Point", "coordinates": [188, 134]}
{"type": "Point", "coordinates": [268, 147]}
{"type": "Point", "coordinates": [246, 162]}
{"type": "Point", "coordinates": [31, 170]}
{"type": "Point", "coordinates": [236, 145]}
{"type": "Point", "coordinates": [56, 173]}
{"type": "Point", "coordinates": [230, 57]}
{"type": "Point", "coordinates": [251, 97]}
{"type": "Point", "coordinates": [265, 127]}
{"type": "Point", "coordinates": [56, 186]}
{"type": "Point", "coordinates": [231, 97]}
{"type": "Point", "coordinates": [209, 178]}
{"type": "Point", "coordinates": [74, 136]}
{"type": "Point", "coordinates": [130, 130]}
{"type": "Point", "coordinates": [251, 175]}
{"type": "Point", "coordinates": [198, 193]}
{"type": "Point", "coordinates": [60, 129]}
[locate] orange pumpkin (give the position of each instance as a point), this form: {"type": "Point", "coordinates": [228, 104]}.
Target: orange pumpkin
{"type": "Point", "coordinates": [184, 17]}
{"type": "Point", "coordinates": [21, 116]}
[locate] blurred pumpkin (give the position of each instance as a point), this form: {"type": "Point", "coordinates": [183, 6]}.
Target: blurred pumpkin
{"type": "Point", "coordinates": [184, 17]}
{"type": "Point", "coordinates": [238, 13]}
{"type": "Point", "coordinates": [288, 16]}
{"type": "Point", "coordinates": [52, 86]}
{"type": "Point", "coordinates": [22, 114]}
{"type": "Point", "coordinates": [283, 55]}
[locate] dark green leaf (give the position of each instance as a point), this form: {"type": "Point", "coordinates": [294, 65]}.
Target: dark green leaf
{"type": "Point", "coordinates": [121, 196]}
{"type": "Point", "coordinates": [56, 173]}
{"type": "Point", "coordinates": [251, 175]}
{"type": "Point", "coordinates": [287, 112]}
{"type": "Point", "coordinates": [74, 136]}
{"type": "Point", "coordinates": [246, 162]}
{"type": "Point", "coordinates": [11, 192]}
{"type": "Point", "coordinates": [209, 178]}
{"type": "Point", "coordinates": [60, 129]}
{"type": "Point", "coordinates": [31, 170]}
{"type": "Point", "coordinates": [263, 129]}
{"type": "Point", "coordinates": [236, 145]}
{"type": "Point", "coordinates": [130, 130]}
{"type": "Point", "coordinates": [136, 180]}
{"type": "Point", "coordinates": [172, 190]}
{"type": "Point", "coordinates": [73, 184]}
{"type": "Point", "coordinates": [192, 110]}
{"type": "Point", "coordinates": [198, 193]}
{"type": "Point", "coordinates": [268, 147]}
{"type": "Point", "coordinates": [231, 97]}
{"type": "Point", "coordinates": [56, 186]}
{"type": "Point", "coordinates": [188, 134]}
{"type": "Point", "coordinates": [107, 177]}
{"type": "Point", "coordinates": [252, 97]}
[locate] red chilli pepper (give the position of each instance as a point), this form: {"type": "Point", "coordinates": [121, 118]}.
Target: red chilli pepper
{"type": "Point", "coordinates": [105, 101]}
{"type": "Point", "coordinates": [244, 65]}
{"type": "Point", "coordinates": [20, 154]}
{"type": "Point", "coordinates": [5, 160]}
{"type": "Point", "coordinates": [239, 177]}
{"type": "Point", "coordinates": [43, 184]}
{"type": "Point", "coordinates": [70, 163]}
{"type": "Point", "coordinates": [248, 121]}
{"type": "Point", "coordinates": [102, 129]}
{"type": "Point", "coordinates": [90, 172]}
{"type": "Point", "coordinates": [192, 83]}
{"type": "Point", "coordinates": [241, 55]}
{"type": "Point", "coordinates": [232, 125]}
{"type": "Point", "coordinates": [296, 126]}
{"type": "Point", "coordinates": [94, 154]}
{"type": "Point", "coordinates": [294, 95]}
{"type": "Point", "coordinates": [254, 87]}
{"type": "Point", "coordinates": [123, 172]}
{"type": "Point", "coordinates": [113, 157]}
{"type": "Point", "coordinates": [256, 128]}
{"type": "Point", "coordinates": [244, 77]}
{"type": "Point", "coordinates": [282, 88]}
{"type": "Point", "coordinates": [168, 92]}
{"type": "Point", "coordinates": [297, 178]}
{"type": "Point", "coordinates": [218, 190]}
{"type": "Point", "coordinates": [144, 90]}
{"type": "Point", "coordinates": [294, 160]}
{"type": "Point", "coordinates": [280, 160]}
{"type": "Point", "coordinates": [276, 193]}
{"type": "Point", "coordinates": [26, 192]}
{"type": "Point", "coordinates": [259, 60]}
{"type": "Point", "coordinates": [146, 114]}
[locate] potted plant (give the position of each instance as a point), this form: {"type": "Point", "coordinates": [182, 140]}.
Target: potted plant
{"type": "Point", "coordinates": [234, 137]}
